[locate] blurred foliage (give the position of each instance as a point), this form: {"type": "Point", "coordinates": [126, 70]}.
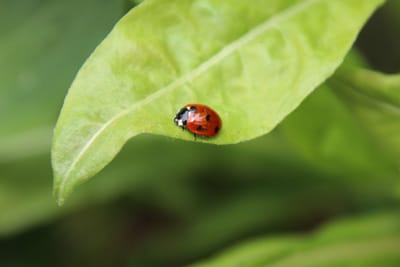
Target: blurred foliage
{"type": "Point", "coordinates": [381, 42]}
{"type": "Point", "coordinates": [164, 202]}
{"type": "Point", "coordinates": [368, 241]}
{"type": "Point", "coordinates": [43, 43]}
{"type": "Point", "coordinates": [375, 100]}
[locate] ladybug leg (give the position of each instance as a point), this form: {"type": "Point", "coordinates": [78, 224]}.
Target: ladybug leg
{"type": "Point", "coordinates": [195, 136]}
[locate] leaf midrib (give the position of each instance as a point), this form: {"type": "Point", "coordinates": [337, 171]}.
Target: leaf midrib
{"type": "Point", "coordinates": [224, 52]}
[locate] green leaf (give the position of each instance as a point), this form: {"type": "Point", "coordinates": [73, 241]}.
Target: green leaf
{"type": "Point", "coordinates": [326, 132]}
{"type": "Point", "coordinates": [253, 63]}
{"type": "Point", "coordinates": [384, 88]}
{"type": "Point", "coordinates": [369, 241]}
{"type": "Point", "coordinates": [330, 137]}
{"type": "Point", "coordinates": [375, 100]}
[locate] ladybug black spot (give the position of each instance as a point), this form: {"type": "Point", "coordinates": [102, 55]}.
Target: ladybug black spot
{"type": "Point", "coordinates": [216, 129]}
{"type": "Point", "coordinates": [208, 117]}
{"type": "Point", "coordinates": [199, 128]}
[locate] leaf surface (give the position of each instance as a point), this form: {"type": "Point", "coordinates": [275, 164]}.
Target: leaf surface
{"type": "Point", "coordinates": [253, 63]}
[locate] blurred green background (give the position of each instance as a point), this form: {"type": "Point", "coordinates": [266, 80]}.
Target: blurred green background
{"type": "Point", "coordinates": [164, 202]}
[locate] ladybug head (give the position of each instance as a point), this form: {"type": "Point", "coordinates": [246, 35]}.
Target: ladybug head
{"type": "Point", "coordinates": [181, 117]}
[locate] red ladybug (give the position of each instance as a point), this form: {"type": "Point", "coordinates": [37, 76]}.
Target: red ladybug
{"type": "Point", "coordinates": [198, 119]}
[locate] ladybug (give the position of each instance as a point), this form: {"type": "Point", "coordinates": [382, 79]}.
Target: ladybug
{"type": "Point", "coordinates": [198, 119]}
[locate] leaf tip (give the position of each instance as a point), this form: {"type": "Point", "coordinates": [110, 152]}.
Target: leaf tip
{"type": "Point", "coordinates": [58, 193]}
{"type": "Point", "coordinates": [60, 199]}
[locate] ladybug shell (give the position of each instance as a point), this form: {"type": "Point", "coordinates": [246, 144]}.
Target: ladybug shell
{"type": "Point", "coordinates": [199, 119]}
